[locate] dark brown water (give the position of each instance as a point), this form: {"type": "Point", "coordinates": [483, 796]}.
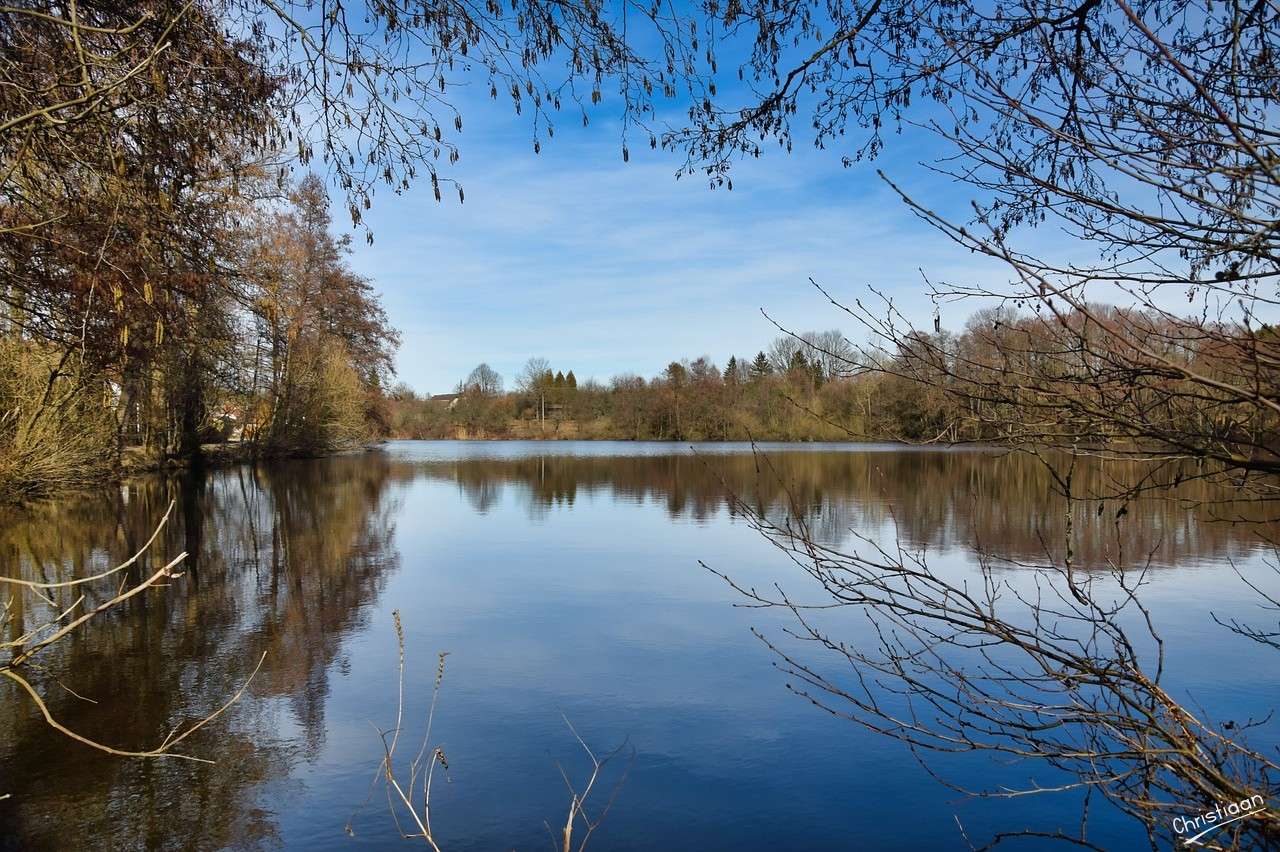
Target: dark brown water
{"type": "Point", "coordinates": [562, 579]}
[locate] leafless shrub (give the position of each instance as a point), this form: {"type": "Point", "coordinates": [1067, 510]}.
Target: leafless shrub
{"type": "Point", "coordinates": [54, 434]}
{"type": "Point", "coordinates": [1144, 133]}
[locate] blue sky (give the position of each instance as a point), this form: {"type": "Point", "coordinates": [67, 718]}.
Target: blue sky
{"type": "Point", "coordinates": [607, 267]}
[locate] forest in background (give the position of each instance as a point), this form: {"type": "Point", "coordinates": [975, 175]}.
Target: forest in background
{"type": "Point", "coordinates": [804, 388]}
{"type": "Point", "coordinates": [934, 386]}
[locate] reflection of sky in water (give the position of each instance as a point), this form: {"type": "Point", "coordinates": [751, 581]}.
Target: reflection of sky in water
{"type": "Point", "coordinates": [565, 578]}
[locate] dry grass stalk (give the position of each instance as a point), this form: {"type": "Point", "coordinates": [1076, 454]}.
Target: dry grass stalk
{"type": "Point", "coordinates": [578, 801]}
{"type": "Point", "coordinates": [407, 795]}
{"type": "Point", "coordinates": [414, 794]}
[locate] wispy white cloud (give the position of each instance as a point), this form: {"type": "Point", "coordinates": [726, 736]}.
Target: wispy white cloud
{"type": "Point", "coordinates": [606, 267]}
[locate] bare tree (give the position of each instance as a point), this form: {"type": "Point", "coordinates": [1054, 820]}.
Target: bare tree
{"type": "Point", "coordinates": [532, 375]}
{"type": "Point", "coordinates": [1144, 132]}
{"type": "Point", "coordinates": [830, 351]}
{"type": "Point", "coordinates": [482, 381]}
{"type": "Point", "coordinates": [783, 351]}
{"type": "Point", "coordinates": [365, 90]}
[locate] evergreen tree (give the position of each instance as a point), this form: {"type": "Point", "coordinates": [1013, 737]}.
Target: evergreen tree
{"type": "Point", "coordinates": [571, 380]}
{"type": "Point", "coordinates": [559, 380]}
{"type": "Point", "coordinates": [761, 366]}
{"type": "Point", "coordinates": [731, 370]}
{"type": "Point", "coordinates": [816, 373]}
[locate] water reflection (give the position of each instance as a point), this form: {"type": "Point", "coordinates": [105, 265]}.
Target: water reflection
{"type": "Point", "coordinates": [1004, 503]}
{"type": "Point", "coordinates": [282, 560]}
{"type": "Point", "coordinates": [293, 559]}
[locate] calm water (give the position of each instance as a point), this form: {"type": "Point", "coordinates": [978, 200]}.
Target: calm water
{"type": "Point", "coordinates": [564, 581]}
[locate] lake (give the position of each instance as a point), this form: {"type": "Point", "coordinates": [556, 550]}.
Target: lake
{"type": "Point", "coordinates": [565, 582]}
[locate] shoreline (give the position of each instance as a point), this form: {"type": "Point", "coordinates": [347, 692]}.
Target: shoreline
{"type": "Point", "coordinates": [137, 461]}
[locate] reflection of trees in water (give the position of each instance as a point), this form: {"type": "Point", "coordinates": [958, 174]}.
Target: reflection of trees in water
{"type": "Point", "coordinates": [935, 499]}
{"type": "Point", "coordinates": [283, 560]}
{"type": "Point", "coordinates": [286, 559]}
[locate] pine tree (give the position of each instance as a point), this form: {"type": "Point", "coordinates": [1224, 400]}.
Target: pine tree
{"type": "Point", "coordinates": [571, 380]}
{"type": "Point", "coordinates": [761, 366]}
{"type": "Point", "coordinates": [559, 380]}
{"type": "Point", "coordinates": [731, 371]}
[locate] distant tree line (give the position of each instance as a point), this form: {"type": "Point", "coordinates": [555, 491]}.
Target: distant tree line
{"type": "Point", "coordinates": [802, 387]}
